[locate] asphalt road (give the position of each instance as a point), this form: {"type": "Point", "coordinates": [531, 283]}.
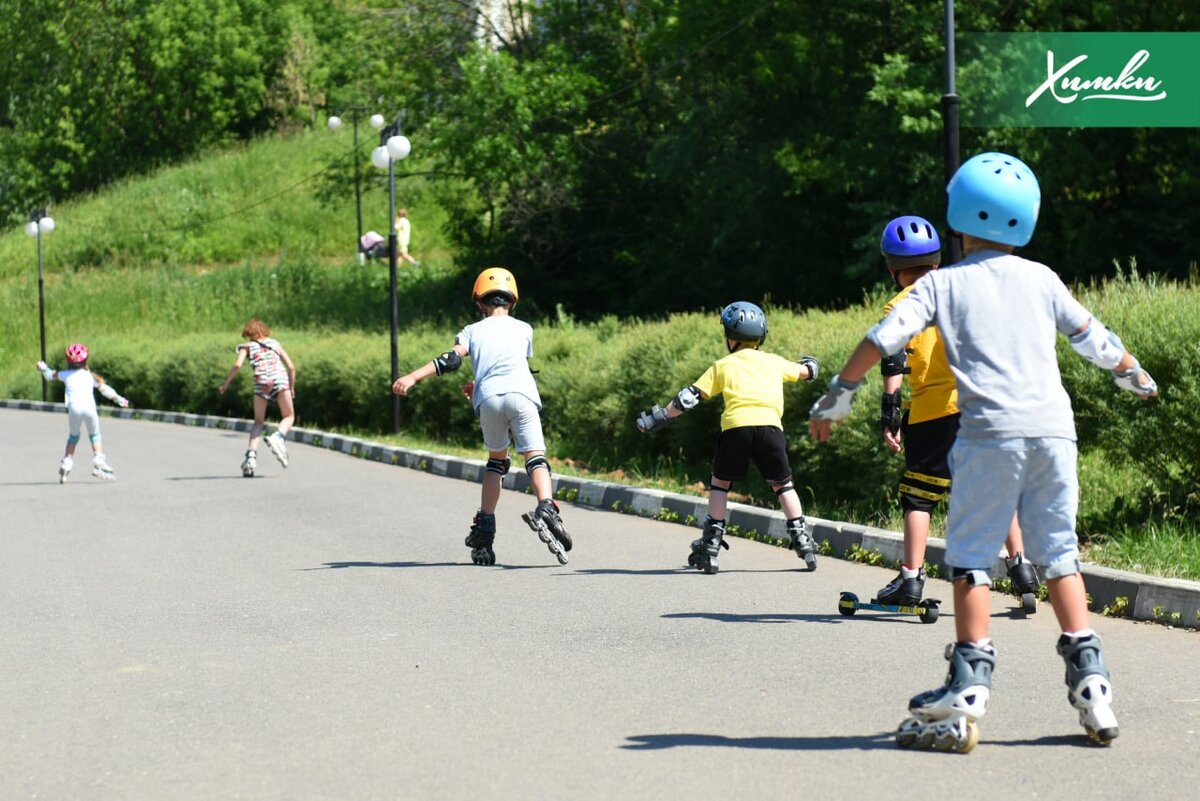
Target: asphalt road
{"type": "Point", "coordinates": [320, 632]}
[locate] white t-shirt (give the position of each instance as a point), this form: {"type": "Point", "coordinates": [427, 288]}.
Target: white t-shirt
{"type": "Point", "coordinates": [79, 383]}
{"type": "Point", "coordinates": [403, 232]}
{"type": "Point", "coordinates": [500, 348]}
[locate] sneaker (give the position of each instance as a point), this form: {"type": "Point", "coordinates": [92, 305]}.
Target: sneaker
{"type": "Point", "coordinates": [278, 447]}
{"type": "Point", "coordinates": [64, 469]}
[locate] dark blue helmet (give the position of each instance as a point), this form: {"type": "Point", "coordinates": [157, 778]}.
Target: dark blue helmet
{"type": "Point", "coordinates": [910, 241]}
{"type": "Point", "coordinates": [744, 322]}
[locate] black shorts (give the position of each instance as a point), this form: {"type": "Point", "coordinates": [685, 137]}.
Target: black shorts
{"type": "Point", "coordinates": [766, 445]}
{"type": "Point", "coordinates": [927, 446]}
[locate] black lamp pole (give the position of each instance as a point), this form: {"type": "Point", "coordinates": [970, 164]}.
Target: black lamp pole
{"type": "Point", "coordinates": [950, 121]}
{"type": "Point", "coordinates": [393, 249]}
{"type": "Point", "coordinates": [35, 217]}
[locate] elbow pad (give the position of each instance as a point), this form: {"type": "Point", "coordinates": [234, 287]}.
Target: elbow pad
{"type": "Point", "coordinates": [1098, 345]}
{"type": "Point", "coordinates": [896, 364]}
{"type": "Point", "coordinates": [448, 362]}
{"type": "Point", "coordinates": [688, 398]}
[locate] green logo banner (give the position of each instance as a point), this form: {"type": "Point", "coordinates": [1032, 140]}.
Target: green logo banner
{"type": "Point", "coordinates": [1080, 80]}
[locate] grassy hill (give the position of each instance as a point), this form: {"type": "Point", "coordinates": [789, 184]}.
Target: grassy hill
{"type": "Point", "coordinates": [158, 275]}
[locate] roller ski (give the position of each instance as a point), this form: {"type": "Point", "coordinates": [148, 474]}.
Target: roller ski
{"type": "Point", "coordinates": [1024, 581]}
{"type": "Point", "coordinates": [64, 469]}
{"type": "Point", "coordinates": [945, 719]}
{"type": "Point", "coordinates": [800, 540]}
{"type": "Point", "coordinates": [483, 534]}
{"type": "Point", "coordinates": [707, 550]}
{"type": "Point", "coordinates": [101, 469]}
{"type": "Point", "coordinates": [1088, 687]}
{"type": "Point", "coordinates": [547, 524]}
{"type": "Point", "coordinates": [249, 464]}
{"type": "Point", "coordinates": [279, 448]}
{"type": "Point", "coordinates": [901, 596]}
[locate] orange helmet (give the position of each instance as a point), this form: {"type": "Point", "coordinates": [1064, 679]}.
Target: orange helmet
{"type": "Point", "coordinates": [495, 280]}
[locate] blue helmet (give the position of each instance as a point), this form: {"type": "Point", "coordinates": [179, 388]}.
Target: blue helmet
{"type": "Point", "coordinates": [910, 241]}
{"type": "Point", "coordinates": [995, 197]}
{"type": "Point", "coordinates": [744, 322]}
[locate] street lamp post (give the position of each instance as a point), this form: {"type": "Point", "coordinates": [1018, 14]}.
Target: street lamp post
{"type": "Point", "coordinates": [334, 123]}
{"type": "Point", "coordinates": [950, 121]}
{"type": "Point", "coordinates": [39, 223]}
{"type": "Point", "coordinates": [393, 147]}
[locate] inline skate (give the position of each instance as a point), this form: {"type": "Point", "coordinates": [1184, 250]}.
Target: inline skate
{"type": "Point", "coordinates": [707, 549]}
{"type": "Point", "coordinates": [279, 448]}
{"type": "Point", "coordinates": [801, 541]}
{"type": "Point", "coordinates": [945, 719]}
{"type": "Point", "coordinates": [249, 464]}
{"type": "Point", "coordinates": [1024, 581]}
{"type": "Point", "coordinates": [101, 469]}
{"type": "Point", "coordinates": [1088, 687]}
{"type": "Point", "coordinates": [547, 524]}
{"type": "Point", "coordinates": [64, 469]}
{"type": "Point", "coordinates": [483, 534]}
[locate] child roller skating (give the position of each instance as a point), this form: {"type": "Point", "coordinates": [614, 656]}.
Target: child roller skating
{"type": "Point", "coordinates": [924, 428]}
{"type": "Point", "coordinates": [751, 382]}
{"type": "Point", "coordinates": [506, 400]}
{"type": "Point", "coordinates": [79, 382]}
{"type": "Point", "coordinates": [998, 315]}
{"type": "Point", "coordinates": [274, 380]}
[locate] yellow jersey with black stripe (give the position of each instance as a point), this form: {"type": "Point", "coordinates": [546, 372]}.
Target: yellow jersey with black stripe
{"type": "Point", "coordinates": [933, 392]}
{"type": "Point", "coordinates": [752, 383]}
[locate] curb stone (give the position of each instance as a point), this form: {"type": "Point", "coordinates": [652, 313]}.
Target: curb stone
{"type": "Point", "coordinates": [1174, 602]}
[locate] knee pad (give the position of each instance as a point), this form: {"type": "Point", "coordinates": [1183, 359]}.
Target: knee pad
{"type": "Point", "coordinates": [93, 438]}
{"type": "Point", "coordinates": [499, 466]}
{"type": "Point", "coordinates": [536, 463]}
{"type": "Point", "coordinates": [73, 439]}
{"type": "Point", "coordinates": [714, 488]}
{"type": "Point", "coordinates": [974, 577]}
{"type": "Point", "coordinates": [779, 489]}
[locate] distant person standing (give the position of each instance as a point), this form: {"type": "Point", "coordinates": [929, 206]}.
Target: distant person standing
{"type": "Point", "coordinates": [403, 234]}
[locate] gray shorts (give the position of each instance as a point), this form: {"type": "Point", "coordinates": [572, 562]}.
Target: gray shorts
{"type": "Point", "coordinates": [512, 412]}
{"type": "Point", "coordinates": [1034, 477]}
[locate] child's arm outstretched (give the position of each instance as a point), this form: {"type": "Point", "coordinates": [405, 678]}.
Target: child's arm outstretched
{"type": "Point", "coordinates": [447, 362]}
{"type": "Point", "coordinates": [1104, 349]}
{"type": "Point", "coordinates": [107, 391]}
{"type": "Point", "coordinates": [233, 371]}
{"type": "Point", "coordinates": [658, 417]}
{"type": "Point", "coordinates": [47, 372]}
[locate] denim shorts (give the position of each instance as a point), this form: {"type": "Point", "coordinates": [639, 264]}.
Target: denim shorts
{"type": "Point", "coordinates": [993, 478]}
{"type": "Point", "coordinates": [512, 413]}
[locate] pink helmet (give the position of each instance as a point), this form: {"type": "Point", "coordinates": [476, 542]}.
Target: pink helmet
{"type": "Point", "coordinates": [77, 353]}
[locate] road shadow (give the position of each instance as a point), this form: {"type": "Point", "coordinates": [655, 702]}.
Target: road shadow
{"type": "Point", "coordinates": [666, 571]}
{"type": "Point", "coordinates": [212, 478]}
{"type": "Point", "coordinates": [658, 742]}
{"type": "Point", "coordinates": [1075, 740]}
{"type": "Point", "coordinates": [341, 565]}
{"type": "Point", "coordinates": [765, 617]}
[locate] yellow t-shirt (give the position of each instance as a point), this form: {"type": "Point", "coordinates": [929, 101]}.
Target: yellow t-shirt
{"type": "Point", "coordinates": [934, 393]}
{"type": "Point", "coordinates": [752, 383]}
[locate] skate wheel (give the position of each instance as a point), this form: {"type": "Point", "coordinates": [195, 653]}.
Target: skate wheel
{"type": "Point", "coordinates": [847, 604]}
{"type": "Point", "coordinates": [929, 612]}
{"type": "Point", "coordinates": [810, 562]}
{"type": "Point", "coordinates": [906, 733]}
{"type": "Point", "coordinates": [1029, 603]}
{"type": "Point", "coordinates": [711, 567]}
{"type": "Point", "coordinates": [972, 739]}
{"type": "Point", "coordinates": [561, 556]}
{"type": "Point", "coordinates": [693, 560]}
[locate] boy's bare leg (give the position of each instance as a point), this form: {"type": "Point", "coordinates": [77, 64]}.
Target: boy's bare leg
{"type": "Point", "coordinates": [1015, 543]}
{"type": "Point", "coordinates": [1069, 597]}
{"type": "Point", "coordinates": [718, 502]}
{"type": "Point", "coordinates": [542, 485]}
{"type": "Point", "coordinates": [916, 537]}
{"type": "Point", "coordinates": [972, 611]}
{"type": "Point", "coordinates": [492, 482]}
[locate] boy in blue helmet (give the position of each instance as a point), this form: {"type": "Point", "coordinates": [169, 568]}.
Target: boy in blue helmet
{"type": "Point", "coordinates": [1015, 452]}
{"type": "Point", "coordinates": [751, 382]}
{"type": "Point", "coordinates": [925, 430]}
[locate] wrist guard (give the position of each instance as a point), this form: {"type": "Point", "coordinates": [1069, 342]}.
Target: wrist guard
{"type": "Point", "coordinates": [834, 405]}
{"type": "Point", "coordinates": [653, 420]}
{"type": "Point", "coordinates": [814, 366]}
{"type": "Point", "coordinates": [1128, 381]}
{"type": "Point", "coordinates": [890, 415]}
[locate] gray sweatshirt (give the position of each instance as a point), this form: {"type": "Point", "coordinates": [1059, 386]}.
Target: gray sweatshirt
{"type": "Point", "coordinates": [998, 315]}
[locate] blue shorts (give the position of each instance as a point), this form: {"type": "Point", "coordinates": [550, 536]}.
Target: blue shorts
{"type": "Point", "coordinates": [512, 413]}
{"type": "Point", "coordinates": [993, 478]}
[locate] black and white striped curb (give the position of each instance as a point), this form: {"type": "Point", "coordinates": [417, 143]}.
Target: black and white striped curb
{"type": "Point", "coordinates": [1174, 602]}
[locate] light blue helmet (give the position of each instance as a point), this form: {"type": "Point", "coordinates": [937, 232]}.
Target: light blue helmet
{"type": "Point", "coordinates": [996, 197]}
{"type": "Point", "coordinates": [744, 322]}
